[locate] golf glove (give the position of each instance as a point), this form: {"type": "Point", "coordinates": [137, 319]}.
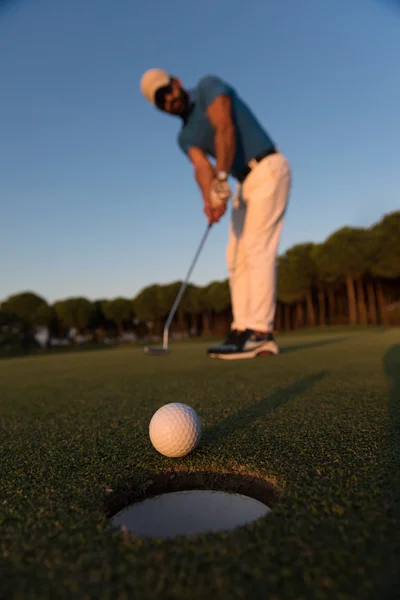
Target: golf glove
{"type": "Point", "coordinates": [220, 192]}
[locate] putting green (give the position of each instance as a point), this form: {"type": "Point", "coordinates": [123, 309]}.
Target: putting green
{"type": "Point", "coordinates": [319, 424]}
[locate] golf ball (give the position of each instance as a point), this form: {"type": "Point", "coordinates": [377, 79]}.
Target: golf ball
{"type": "Point", "coordinates": [175, 430]}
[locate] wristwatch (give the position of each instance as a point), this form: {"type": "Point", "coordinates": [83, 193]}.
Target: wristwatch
{"type": "Point", "coordinates": [221, 175]}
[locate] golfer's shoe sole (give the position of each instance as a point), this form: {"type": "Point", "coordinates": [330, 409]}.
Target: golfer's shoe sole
{"type": "Point", "coordinates": [265, 349]}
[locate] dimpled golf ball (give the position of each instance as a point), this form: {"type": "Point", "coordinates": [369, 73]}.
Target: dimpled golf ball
{"type": "Point", "coordinates": [175, 430]}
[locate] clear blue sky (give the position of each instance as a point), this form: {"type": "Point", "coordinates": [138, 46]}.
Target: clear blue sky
{"type": "Point", "coordinates": [97, 199]}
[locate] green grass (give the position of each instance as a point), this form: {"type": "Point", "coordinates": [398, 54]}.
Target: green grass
{"type": "Point", "coordinates": [320, 422]}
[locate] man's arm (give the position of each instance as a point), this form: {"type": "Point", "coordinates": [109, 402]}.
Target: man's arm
{"type": "Point", "coordinates": [220, 114]}
{"type": "Point", "coordinates": [203, 171]}
{"type": "Point", "coordinates": [204, 174]}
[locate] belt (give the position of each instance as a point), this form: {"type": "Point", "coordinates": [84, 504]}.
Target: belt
{"type": "Point", "coordinates": [253, 162]}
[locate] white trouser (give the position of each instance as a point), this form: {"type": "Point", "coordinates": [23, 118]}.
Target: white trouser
{"type": "Point", "coordinates": [259, 206]}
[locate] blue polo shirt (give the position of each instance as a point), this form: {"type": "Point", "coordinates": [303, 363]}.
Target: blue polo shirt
{"type": "Point", "coordinates": [251, 138]}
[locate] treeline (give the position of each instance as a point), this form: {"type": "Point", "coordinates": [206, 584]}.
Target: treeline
{"type": "Point", "coordinates": [353, 277]}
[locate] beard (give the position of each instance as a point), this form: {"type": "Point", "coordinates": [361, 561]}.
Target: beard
{"type": "Point", "coordinates": [180, 105]}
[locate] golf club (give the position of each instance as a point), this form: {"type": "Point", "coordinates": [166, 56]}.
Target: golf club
{"type": "Point", "coordinates": [164, 350]}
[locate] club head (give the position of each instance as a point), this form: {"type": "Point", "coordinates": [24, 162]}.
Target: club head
{"type": "Point", "coordinates": [156, 351]}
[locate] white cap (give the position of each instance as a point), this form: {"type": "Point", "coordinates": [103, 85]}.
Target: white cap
{"type": "Point", "coordinates": [153, 80]}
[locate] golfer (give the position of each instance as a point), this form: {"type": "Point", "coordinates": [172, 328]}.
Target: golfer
{"type": "Point", "coordinates": [215, 122]}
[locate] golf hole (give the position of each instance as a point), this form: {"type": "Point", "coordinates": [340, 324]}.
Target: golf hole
{"type": "Point", "coordinates": [193, 503]}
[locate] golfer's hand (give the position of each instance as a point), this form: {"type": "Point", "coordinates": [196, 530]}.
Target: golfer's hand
{"type": "Point", "coordinates": [220, 192]}
{"type": "Point", "coordinates": [214, 214]}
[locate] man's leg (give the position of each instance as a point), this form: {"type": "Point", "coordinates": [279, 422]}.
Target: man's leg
{"type": "Point", "coordinates": [266, 197]}
{"type": "Point", "coordinates": [265, 194]}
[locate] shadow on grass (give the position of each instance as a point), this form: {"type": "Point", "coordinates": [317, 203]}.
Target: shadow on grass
{"type": "Point", "coordinates": [327, 342]}
{"type": "Point", "coordinates": [387, 519]}
{"type": "Point", "coordinates": [244, 418]}
{"type": "Point", "coordinates": [391, 364]}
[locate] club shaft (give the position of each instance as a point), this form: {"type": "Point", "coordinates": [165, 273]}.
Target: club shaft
{"type": "Point", "coordinates": [182, 289]}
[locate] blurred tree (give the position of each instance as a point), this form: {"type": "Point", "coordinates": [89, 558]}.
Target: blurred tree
{"type": "Point", "coordinates": [16, 334]}
{"type": "Point", "coordinates": [46, 316]}
{"type": "Point", "coordinates": [206, 309]}
{"type": "Point", "coordinates": [217, 303]}
{"type": "Point", "coordinates": [7, 319]}
{"type": "Point", "coordinates": [98, 322]}
{"type": "Point", "coordinates": [167, 299]}
{"type": "Point", "coordinates": [285, 293]}
{"type": "Point", "coordinates": [327, 279]}
{"type": "Point", "coordinates": [119, 310]}
{"type": "Point", "coordinates": [387, 246]}
{"type": "Point", "coordinates": [322, 285]}
{"type": "Point", "coordinates": [74, 313]}
{"type": "Point", "coordinates": [148, 305]}
{"type": "Point", "coordinates": [24, 305]}
{"type": "Point", "coordinates": [298, 278]}
{"type": "Point", "coordinates": [385, 260]}
{"type": "Point", "coordinates": [10, 327]}
{"type": "Point", "coordinates": [344, 255]}
{"type": "Point", "coordinates": [192, 305]}
{"type": "Point", "coordinates": [217, 296]}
